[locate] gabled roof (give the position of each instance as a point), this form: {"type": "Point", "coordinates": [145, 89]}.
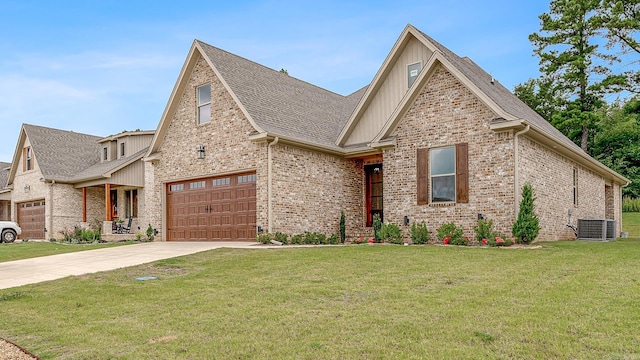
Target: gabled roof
{"type": "Point", "coordinates": [60, 154]}
{"type": "Point", "coordinates": [275, 103]}
{"type": "Point", "coordinates": [278, 105]}
{"type": "Point", "coordinates": [107, 168]}
{"type": "Point", "coordinates": [4, 174]}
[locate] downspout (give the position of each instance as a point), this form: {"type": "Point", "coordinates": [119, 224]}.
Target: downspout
{"type": "Point", "coordinates": [50, 232]}
{"type": "Point", "coordinates": [516, 183]}
{"type": "Point", "coordinates": [269, 182]}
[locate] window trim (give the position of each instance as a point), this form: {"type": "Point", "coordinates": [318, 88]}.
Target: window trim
{"type": "Point", "coordinates": [122, 148]}
{"type": "Point", "coordinates": [28, 157]}
{"type": "Point", "coordinates": [200, 106]}
{"type": "Point", "coordinates": [105, 153]}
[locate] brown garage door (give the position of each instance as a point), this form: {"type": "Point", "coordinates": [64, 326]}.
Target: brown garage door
{"type": "Point", "coordinates": [212, 209]}
{"type": "Point", "coordinates": [31, 219]}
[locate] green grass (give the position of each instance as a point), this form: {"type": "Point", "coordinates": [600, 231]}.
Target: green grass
{"type": "Point", "coordinates": [631, 223]}
{"type": "Point", "coordinates": [568, 300]}
{"type": "Point", "coordinates": [26, 250]}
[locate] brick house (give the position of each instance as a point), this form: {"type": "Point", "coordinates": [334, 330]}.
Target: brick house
{"type": "Point", "coordinates": [433, 138]}
{"type": "Point", "coordinates": [61, 179]}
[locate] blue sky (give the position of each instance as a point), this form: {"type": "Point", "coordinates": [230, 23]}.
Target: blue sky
{"type": "Point", "coordinates": [101, 67]}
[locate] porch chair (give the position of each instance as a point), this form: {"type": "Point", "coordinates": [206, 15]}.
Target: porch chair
{"type": "Point", "coordinates": [126, 229]}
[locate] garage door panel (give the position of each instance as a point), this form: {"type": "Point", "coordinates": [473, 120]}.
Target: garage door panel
{"type": "Point", "coordinates": [220, 209]}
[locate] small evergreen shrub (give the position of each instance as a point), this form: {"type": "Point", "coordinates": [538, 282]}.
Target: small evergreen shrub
{"type": "Point", "coordinates": [377, 226]}
{"type": "Point", "coordinates": [264, 238]}
{"type": "Point", "coordinates": [334, 239]}
{"type": "Point", "coordinates": [390, 233]}
{"type": "Point", "coordinates": [527, 225]}
{"type": "Point", "coordinates": [451, 234]}
{"type": "Point", "coordinates": [297, 239]}
{"type": "Point", "coordinates": [419, 233]}
{"type": "Point", "coordinates": [283, 238]}
{"type": "Point", "coordinates": [343, 227]}
{"type": "Point", "coordinates": [484, 230]}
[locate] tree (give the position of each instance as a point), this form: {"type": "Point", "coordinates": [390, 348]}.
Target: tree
{"type": "Point", "coordinates": [621, 21]}
{"type": "Point", "coordinates": [568, 51]}
{"type": "Point", "coordinates": [540, 95]}
{"type": "Point", "coordinates": [527, 225]}
{"type": "Point", "coordinates": [617, 143]}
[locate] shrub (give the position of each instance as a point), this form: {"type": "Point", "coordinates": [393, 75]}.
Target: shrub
{"type": "Point", "coordinates": [264, 238]}
{"type": "Point", "coordinates": [484, 230]}
{"type": "Point", "coordinates": [150, 233]}
{"type": "Point", "coordinates": [630, 205]}
{"type": "Point", "coordinates": [390, 233]}
{"type": "Point", "coordinates": [343, 227]}
{"type": "Point", "coordinates": [377, 226]}
{"type": "Point", "coordinates": [527, 225]}
{"type": "Point", "coordinates": [334, 239]}
{"type": "Point", "coordinates": [419, 233]}
{"type": "Point", "coordinates": [283, 238]}
{"type": "Point", "coordinates": [449, 233]}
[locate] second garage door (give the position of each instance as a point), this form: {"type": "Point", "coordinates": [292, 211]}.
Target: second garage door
{"type": "Point", "coordinates": [212, 209]}
{"type": "Point", "coordinates": [31, 219]}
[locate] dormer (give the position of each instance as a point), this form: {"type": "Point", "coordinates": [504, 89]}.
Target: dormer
{"type": "Point", "coordinates": [124, 144]}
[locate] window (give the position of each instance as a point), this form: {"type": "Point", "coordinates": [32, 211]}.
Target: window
{"type": "Point", "coordinates": [176, 187]}
{"type": "Point", "coordinates": [204, 103]}
{"type": "Point", "coordinates": [221, 182]}
{"type": "Point", "coordinates": [28, 163]}
{"type": "Point", "coordinates": [121, 149]}
{"type": "Point", "coordinates": [105, 154]}
{"type": "Point", "coordinates": [575, 187]}
{"type": "Point", "coordinates": [197, 185]}
{"type": "Point", "coordinates": [442, 174]}
{"type": "Point", "coordinates": [131, 204]}
{"type": "Point", "coordinates": [413, 70]}
{"type": "Point", "coordinates": [246, 178]}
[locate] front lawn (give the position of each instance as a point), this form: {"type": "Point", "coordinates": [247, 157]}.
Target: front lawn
{"type": "Point", "coordinates": [25, 250]}
{"type": "Point", "coordinates": [567, 300]}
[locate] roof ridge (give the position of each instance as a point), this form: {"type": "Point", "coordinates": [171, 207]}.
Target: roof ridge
{"type": "Point", "coordinates": [273, 70]}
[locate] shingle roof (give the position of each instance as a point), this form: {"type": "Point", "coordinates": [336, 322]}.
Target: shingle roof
{"type": "Point", "coordinates": [281, 104]}
{"type": "Point", "coordinates": [504, 98]}
{"type": "Point", "coordinates": [107, 167]}
{"type": "Point", "coordinates": [4, 174]}
{"type": "Point", "coordinates": [62, 154]}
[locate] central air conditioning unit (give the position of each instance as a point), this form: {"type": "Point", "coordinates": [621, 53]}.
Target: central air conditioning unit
{"type": "Point", "coordinates": [596, 229]}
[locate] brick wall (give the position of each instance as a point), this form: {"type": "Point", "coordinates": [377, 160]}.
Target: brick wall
{"type": "Point", "coordinates": [227, 148]}
{"type": "Point", "coordinates": [310, 190]}
{"type": "Point", "coordinates": [551, 176]}
{"type": "Point", "coordinates": [446, 113]}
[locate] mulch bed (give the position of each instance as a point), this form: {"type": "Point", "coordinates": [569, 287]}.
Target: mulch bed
{"type": "Point", "coordinates": [9, 350]}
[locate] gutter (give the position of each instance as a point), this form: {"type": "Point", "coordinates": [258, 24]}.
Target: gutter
{"type": "Point", "coordinates": [269, 183]}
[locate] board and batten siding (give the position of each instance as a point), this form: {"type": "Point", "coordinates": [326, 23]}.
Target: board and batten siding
{"type": "Point", "coordinates": [134, 143]}
{"type": "Point", "coordinates": [389, 94]}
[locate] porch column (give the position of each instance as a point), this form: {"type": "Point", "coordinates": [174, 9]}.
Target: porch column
{"type": "Point", "coordinates": [84, 204]}
{"type": "Point", "coordinates": [107, 201]}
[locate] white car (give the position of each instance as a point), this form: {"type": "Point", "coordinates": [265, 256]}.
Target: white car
{"type": "Point", "coordinates": [9, 231]}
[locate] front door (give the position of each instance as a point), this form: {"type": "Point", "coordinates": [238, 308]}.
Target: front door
{"type": "Point", "coordinates": [373, 192]}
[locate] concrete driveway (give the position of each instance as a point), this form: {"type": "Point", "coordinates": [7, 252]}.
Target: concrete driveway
{"type": "Point", "coordinates": [45, 268]}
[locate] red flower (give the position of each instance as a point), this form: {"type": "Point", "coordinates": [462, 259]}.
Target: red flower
{"type": "Point", "coordinates": [359, 240]}
{"type": "Point", "coordinates": [446, 240]}
{"type": "Point", "coordinates": [370, 240]}
{"type": "Point", "coordinates": [499, 240]}
{"type": "Point", "coordinates": [484, 241]}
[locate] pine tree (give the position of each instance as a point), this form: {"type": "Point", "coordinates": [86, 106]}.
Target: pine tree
{"type": "Point", "coordinates": [527, 226]}
{"type": "Point", "coordinates": [343, 227]}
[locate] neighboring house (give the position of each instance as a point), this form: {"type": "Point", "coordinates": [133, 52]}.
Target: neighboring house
{"type": "Point", "coordinates": [433, 138]}
{"type": "Point", "coordinates": [5, 194]}
{"type": "Point", "coordinates": [62, 179]}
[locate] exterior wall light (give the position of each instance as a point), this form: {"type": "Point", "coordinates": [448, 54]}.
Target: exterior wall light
{"type": "Point", "coordinates": [200, 150]}
{"type": "Point", "coordinates": [27, 188]}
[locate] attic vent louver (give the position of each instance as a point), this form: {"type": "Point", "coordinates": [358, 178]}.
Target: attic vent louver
{"type": "Point", "coordinates": [596, 229]}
